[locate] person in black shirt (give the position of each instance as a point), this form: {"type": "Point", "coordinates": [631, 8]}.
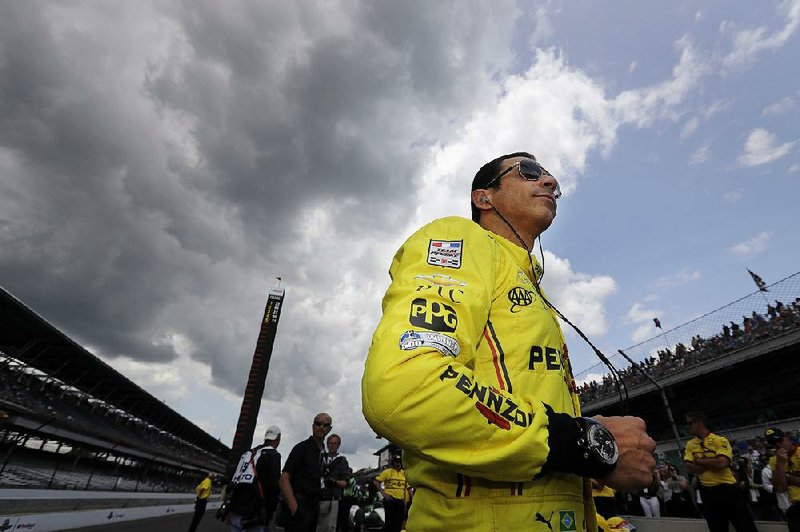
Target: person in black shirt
{"type": "Point", "coordinates": [336, 473]}
{"type": "Point", "coordinates": [301, 481]}
{"type": "Point", "coordinates": [254, 495]}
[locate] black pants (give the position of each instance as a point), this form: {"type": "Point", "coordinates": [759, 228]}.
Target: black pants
{"type": "Point", "coordinates": [793, 517]}
{"type": "Point", "coordinates": [304, 519]}
{"type": "Point", "coordinates": [199, 510]}
{"type": "Point", "coordinates": [606, 506]}
{"type": "Point", "coordinates": [726, 503]}
{"type": "Point", "coordinates": [395, 512]}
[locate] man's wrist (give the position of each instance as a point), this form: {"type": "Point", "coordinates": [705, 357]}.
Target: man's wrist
{"type": "Point", "coordinates": [580, 446]}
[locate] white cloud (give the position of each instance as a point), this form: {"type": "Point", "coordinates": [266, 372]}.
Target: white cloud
{"type": "Point", "coordinates": [686, 275]}
{"type": "Point", "coordinates": [762, 147]}
{"type": "Point", "coordinates": [689, 128]}
{"type": "Point", "coordinates": [643, 318]}
{"type": "Point", "coordinates": [699, 156]}
{"type": "Point", "coordinates": [732, 196]}
{"type": "Point", "coordinates": [794, 168]}
{"type": "Point", "coordinates": [752, 246]}
{"type": "Point", "coordinates": [750, 42]}
{"type": "Point", "coordinates": [782, 106]}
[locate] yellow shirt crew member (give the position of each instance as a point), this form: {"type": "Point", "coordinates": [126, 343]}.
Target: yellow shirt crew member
{"type": "Point", "coordinates": [711, 446]}
{"type": "Point", "coordinates": [394, 483]}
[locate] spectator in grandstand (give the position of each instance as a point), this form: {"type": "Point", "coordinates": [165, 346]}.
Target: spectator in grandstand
{"type": "Point", "coordinates": [786, 473]}
{"type": "Point", "coordinates": [301, 480]}
{"type": "Point", "coordinates": [709, 456]}
{"type": "Point", "coordinates": [203, 491]}
{"type": "Point", "coordinates": [335, 473]}
{"type": "Point", "coordinates": [254, 485]}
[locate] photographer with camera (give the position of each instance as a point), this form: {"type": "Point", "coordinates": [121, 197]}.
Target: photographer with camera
{"type": "Point", "coordinates": [254, 495]}
{"type": "Point", "coordinates": [335, 474]}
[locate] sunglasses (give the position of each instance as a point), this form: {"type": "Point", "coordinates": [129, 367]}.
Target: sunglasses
{"type": "Point", "coordinates": [529, 171]}
{"type": "Point", "coordinates": [322, 424]}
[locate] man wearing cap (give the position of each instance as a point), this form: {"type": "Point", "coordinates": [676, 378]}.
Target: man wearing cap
{"type": "Point", "coordinates": [468, 372]}
{"type": "Point", "coordinates": [302, 481]}
{"type": "Point", "coordinates": [709, 456]}
{"type": "Point", "coordinates": [785, 467]}
{"type": "Point", "coordinates": [254, 495]}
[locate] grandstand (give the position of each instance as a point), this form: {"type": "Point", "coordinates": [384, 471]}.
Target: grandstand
{"type": "Point", "coordinates": [69, 421]}
{"type": "Point", "coordinates": [739, 364]}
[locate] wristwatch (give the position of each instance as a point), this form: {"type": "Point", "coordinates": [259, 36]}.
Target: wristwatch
{"type": "Point", "coordinates": [599, 449]}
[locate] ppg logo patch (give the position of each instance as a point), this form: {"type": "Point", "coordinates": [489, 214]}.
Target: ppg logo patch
{"type": "Point", "coordinates": [445, 253]}
{"type": "Point", "coordinates": [432, 315]}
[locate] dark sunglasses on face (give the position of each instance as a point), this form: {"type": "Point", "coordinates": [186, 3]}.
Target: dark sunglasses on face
{"type": "Point", "coordinates": [322, 424]}
{"type": "Point", "coordinates": [529, 171]}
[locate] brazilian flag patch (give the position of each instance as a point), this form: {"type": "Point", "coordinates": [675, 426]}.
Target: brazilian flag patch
{"type": "Point", "coordinates": [566, 520]}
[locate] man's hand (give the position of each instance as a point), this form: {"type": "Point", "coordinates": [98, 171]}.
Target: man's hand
{"type": "Point", "coordinates": [782, 457]}
{"type": "Point", "coordinates": [292, 506]}
{"type": "Point", "coordinates": [636, 464]}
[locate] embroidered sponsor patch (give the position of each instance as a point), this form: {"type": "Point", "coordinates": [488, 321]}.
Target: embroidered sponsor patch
{"type": "Point", "coordinates": [445, 253]}
{"type": "Point", "coordinates": [432, 315]}
{"type": "Point", "coordinates": [519, 297]}
{"type": "Point", "coordinates": [439, 279]}
{"type": "Point", "coordinates": [446, 345]}
{"type": "Point", "coordinates": [566, 520]}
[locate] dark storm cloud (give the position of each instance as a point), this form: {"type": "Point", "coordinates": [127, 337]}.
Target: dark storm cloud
{"type": "Point", "coordinates": [162, 162]}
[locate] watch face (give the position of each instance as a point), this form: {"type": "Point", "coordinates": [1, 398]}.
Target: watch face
{"type": "Point", "coordinates": [602, 444]}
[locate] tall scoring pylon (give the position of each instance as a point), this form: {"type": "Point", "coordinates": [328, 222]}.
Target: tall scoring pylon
{"type": "Point", "coordinates": [251, 402]}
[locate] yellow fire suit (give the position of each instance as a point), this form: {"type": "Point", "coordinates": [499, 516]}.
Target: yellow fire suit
{"type": "Point", "coordinates": [463, 368]}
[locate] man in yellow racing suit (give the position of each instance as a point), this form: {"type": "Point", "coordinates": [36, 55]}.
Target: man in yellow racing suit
{"type": "Point", "coordinates": [468, 372]}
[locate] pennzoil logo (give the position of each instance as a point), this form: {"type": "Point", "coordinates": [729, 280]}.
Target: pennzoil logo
{"type": "Point", "coordinates": [432, 315]}
{"type": "Point", "coordinates": [519, 297]}
{"type": "Point", "coordinates": [498, 409]}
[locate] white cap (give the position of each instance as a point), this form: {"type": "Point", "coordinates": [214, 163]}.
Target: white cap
{"type": "Point", "coordinates": [273, 431]}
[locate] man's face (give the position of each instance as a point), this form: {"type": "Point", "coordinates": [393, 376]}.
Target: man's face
{"type": "Point", "coordinates": [529, 204]}
{"type": "Point", "coordinates": [321, 426]}
{"type": "Point", "coordinates": [333, 445]}
{"type": "Point", "coordinates": [694, 427]}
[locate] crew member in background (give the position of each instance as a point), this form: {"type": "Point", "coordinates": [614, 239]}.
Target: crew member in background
{"type": "Point", "coordinates": [786, 473]}
{"type": "Point", "coordinates": [336, 472]}
{"type": "Point", "coordinates": [301, 481]}
{"type": "Point", "coordinates": [468, 372]}
{"type": "Point", "coordinates": [604, 499]}
{"type": "Point", "coordinates": [391, 482]}
{"type": "Point", "coordinates": [203, 491]}
{"type": "Point", "coordinates": [709, 456]}
{"type": "Point", "coordinates": [254, 486]}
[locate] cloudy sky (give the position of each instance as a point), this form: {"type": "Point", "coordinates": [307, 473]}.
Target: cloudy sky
{"type": "Point", "coordinates": [161, 162]}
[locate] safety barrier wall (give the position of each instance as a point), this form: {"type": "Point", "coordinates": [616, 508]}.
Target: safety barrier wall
{"type": "Point", "coordinates": [42, 510]}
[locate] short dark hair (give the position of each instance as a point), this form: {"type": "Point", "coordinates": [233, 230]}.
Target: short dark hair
{"type": "Point", "coordinates": [696, 415]}
{"type": "Point", "coordinates": [487, 173]}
